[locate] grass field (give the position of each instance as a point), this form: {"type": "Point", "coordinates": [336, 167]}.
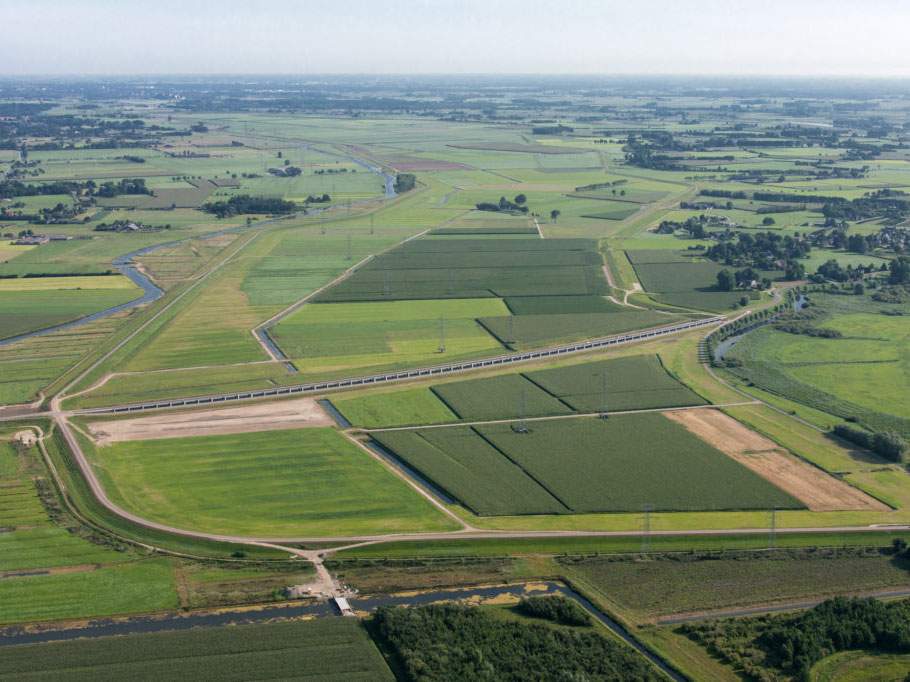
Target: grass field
{"type": "Point", "coordinates": [855, 666]}
{"type": "Point", "coordinates": [862, 374]}
{"type": "Point", "coordinates": [350, 335]}
{"type": "Point", "coordinates": [26, 311]}
{"type": "Point", "coordinates": [323, 484]}
{"type": "Point", "coordinates": [327, 649]}
{"type": "Point", "coordinates": [413, 406]}
{"type": "Point", "coordinates": [128, 588]}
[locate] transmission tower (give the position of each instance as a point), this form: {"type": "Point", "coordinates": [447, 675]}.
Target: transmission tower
{"type": "Point", "coordinates": [385, 283]}
{"type": "Point", "coordinates": [772, 535]}
{"type": "Point", "coordinates": [404, 249]}
{"type": "Point", "coordinates": [603, 396]}
{"type": "Point", "coordinates": [348, 255]}
{"type": "Point", "coordinates": [646, 529]}
{"type": "Point", "coordinates": [442, 333]}
{"type": "Point", "coordinates": [522, 426]}
{"type": "Point", "coordinates": [372, 217]}
{"type": "Point", "coordinates": [511, 329]}
{"type": "Point", "coordinates": [322, 215]}
{"type": "Point", "coordinates": [449, 288]}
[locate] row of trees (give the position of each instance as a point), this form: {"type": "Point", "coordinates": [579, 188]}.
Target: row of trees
{"type": "Point", "coordinates": [888, 444]}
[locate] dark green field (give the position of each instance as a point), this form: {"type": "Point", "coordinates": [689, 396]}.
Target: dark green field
{"type": "Point", "coordinates": [498, 397]}
{"type": "Point", "coordinates": [671, 277]}
{"type": "Point", "coordinates": [533, 331]}
{"type": "Point", "coordinates": [633, 383]}
{"type": "Point", "coordinates": [588, 465]}
{"type": "Point", "coordinates": [327, 649]}
{"type": "Point", "coordinates": [562, 305]}
{"type": "Point", "coordinates": [471, 470]}
{"type": "Point", "coordinates": [475, 268]}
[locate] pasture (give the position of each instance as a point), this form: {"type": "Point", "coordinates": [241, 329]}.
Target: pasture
{"type": "Point", "coordinates": [326, 649]}
{"type": "Point", "coordinates": [323, 484]}
{"type": "Point", "coordinates": [25, 311]}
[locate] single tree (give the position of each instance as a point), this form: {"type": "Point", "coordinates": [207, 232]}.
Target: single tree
{"type": "Point", "coordinates": [725, 280]}
{"type": "Point", "coordinates": [554, 214]}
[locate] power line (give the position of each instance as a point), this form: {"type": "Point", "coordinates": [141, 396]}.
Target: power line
{"type": "Point", "coordinates": [646, 529]}
{"type": "Point", "coordinates": [442, 333]}
{"type": "Point", "coordinates": [772, 536]}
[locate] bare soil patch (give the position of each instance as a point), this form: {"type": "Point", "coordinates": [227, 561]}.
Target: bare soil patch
{"type": "Point", "coordinates": [809, 484]}
{"type": "Point", "coordinates": [290, 414]}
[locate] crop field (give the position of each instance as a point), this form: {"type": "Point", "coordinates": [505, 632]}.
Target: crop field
{"type": "Point", "coordinates": [472, 268]}
{"type": "Point", "coordinates": [328, 649]}
{"type": "Point", "coordinates": [300, 262]}
{"type": "Point", "coordinates": [633, 383]}
{"type": "Point", "coordinates": [499, 397]}
{"type": "Point", "coordinates": [686, 284]}
{"type": "Point", "coordinates": [622, 463]}
{"type": "Point", "coordinates": [562, 305]}
{"type": "Point", "coordinates": [323, 484]}
{"type": "Point", "coordinates": [471, 470]}
{"type": "Point", "coordinates": [529, 331]}
{"type": "Point", "coordinates": [666, 586]}
{"type": "Point", "coordinates": [593, 465]}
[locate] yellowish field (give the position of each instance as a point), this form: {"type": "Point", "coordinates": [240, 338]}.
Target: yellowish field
{"type": "Point", "coordinates": [57, 283]}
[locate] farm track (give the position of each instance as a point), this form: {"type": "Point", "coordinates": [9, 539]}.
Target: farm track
{"type": "Point", "coordinates": [552, 417]}
{"type": "Point", "coordinates": [60, 418]}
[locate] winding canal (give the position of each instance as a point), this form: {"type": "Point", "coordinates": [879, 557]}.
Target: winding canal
{"type": "Point", "coordinates": [151, 292]}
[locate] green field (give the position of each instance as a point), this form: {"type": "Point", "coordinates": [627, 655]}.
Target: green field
{"type": "Point", "coordinates": [862, 374]}
{"type": "Point", "coordinates": [674, 279]}
{"type": "Point", "coordinates": [413, 406]}
{"type": "Point", "coordinates": [856, 666]}
{"type": "Point", "coordinates": [323, 484]}
{"type": "Point", "coordinates": [473, 268]}
{"type": "Point", "coordinates": [591, 465]}
{"type": "Point", "coordinates": [128, 588]}
{"type": "Point", "coordinates": [471, 471]}
{"type": "Point", "coordinates": [27, 311]}
{"type": "Point", "coordinates": [633, 383]}
{"type": "Point", "coordinates": [346, 336]}
{"type": "Point", "coordinates": [672, 585]}
{"type": "Point", "coordinates": [326, 649]}
{"type": "Point", "coordinates": [499, 397]}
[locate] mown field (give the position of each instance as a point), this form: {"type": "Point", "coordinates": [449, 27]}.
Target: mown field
{"type": "Point", "coordinates": [326, 649]}
{"type": "Point", "coordinates": [322, 484]}
{"type": "Point", "coordinates": [27, 311]}
{"type": "Point", "coordinates": [52, 573]}
{"type": "Point", "coordinates": [587, 465]}
{"type": "Point", "coordinates": [353, 335]}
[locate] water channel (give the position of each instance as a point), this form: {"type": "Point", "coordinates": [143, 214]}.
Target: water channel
{"type": "Point", "coordinates": [150, 291]}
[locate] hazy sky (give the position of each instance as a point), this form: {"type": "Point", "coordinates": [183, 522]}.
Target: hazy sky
{"type": "Point", "coordinates": [796, 37]}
